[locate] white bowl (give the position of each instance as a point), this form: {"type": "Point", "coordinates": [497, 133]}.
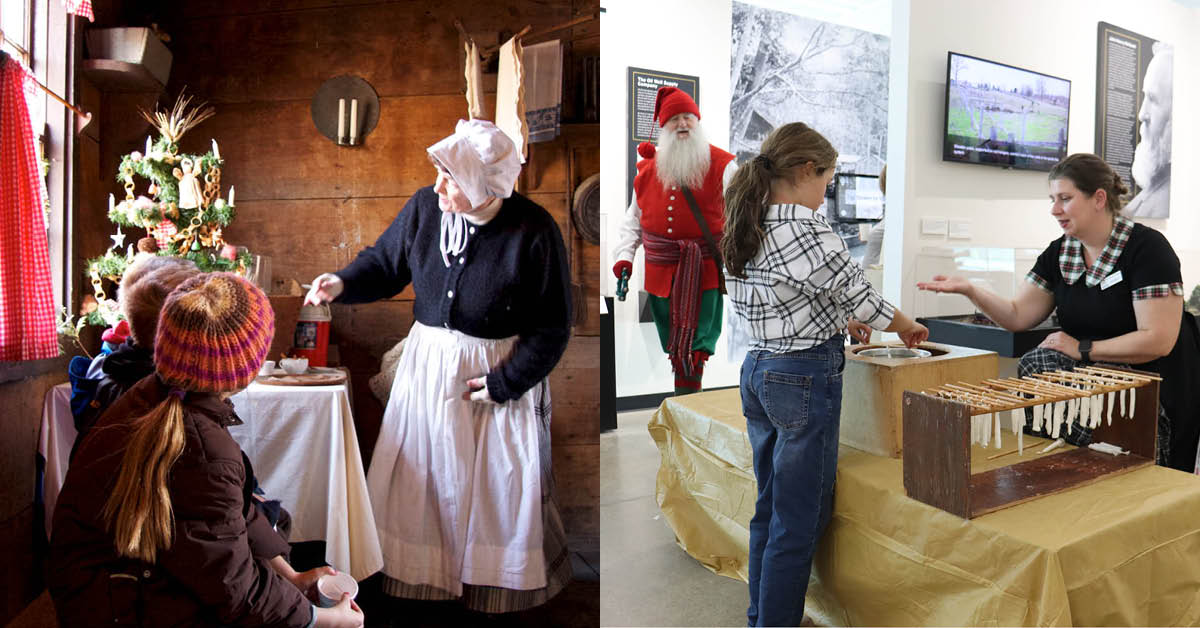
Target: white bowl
{"type": "Point", "coordinates": [294, 366]}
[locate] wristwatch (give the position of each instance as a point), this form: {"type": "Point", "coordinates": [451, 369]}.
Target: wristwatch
{"type": "Point", "coordinates": [1085, 350]}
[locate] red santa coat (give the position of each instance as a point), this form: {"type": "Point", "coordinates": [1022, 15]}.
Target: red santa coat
{"type": "Point", "coordinates": [665, 213]}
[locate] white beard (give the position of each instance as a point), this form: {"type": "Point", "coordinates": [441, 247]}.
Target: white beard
{"type": "Point", "coordinates": [1147, 164]}
{"type": "Point", "coordinates": [683, 161]}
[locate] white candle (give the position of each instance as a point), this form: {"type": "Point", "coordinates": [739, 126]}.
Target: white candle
{"type": "Point", "coordinates": [111, 201]}
{"type": "Point", "coordinates": [353, 119]}
{"type": "Point", "coordinates": [341, 121]}
{"type": "Point", "coordinates": [216, 153]}
{"type": "Point", "coordinates": [147, 154]}
{"type": "Point", "coordinates": [231, 195]}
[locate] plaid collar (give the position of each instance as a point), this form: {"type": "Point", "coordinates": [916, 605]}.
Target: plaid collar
{"type": "Point", "coordinates": [1070, 258]}
{"type": "Point", "coordinates": [788, 212]}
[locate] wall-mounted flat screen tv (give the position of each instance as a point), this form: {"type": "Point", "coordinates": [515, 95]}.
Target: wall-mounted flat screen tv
{"type": "Point", "coordinates": [857, 198]}
{"type": "Point", "coordinates": [1000, 115]}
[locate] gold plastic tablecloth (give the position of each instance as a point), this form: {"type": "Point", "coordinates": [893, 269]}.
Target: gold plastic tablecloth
{"type": "Point", "coordinates": [1124, 550]}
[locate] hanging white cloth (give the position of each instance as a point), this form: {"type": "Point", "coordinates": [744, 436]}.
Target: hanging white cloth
{"type": "Point", "coordinates": [476, 106]}
{"type": "Point", "coordinates": [456, 485]}
{"type": "Point", "coordinates": [510, 96]}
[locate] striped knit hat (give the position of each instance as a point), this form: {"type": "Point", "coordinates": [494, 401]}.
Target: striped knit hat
{"type": "Point", "coordinates": [213, 334]}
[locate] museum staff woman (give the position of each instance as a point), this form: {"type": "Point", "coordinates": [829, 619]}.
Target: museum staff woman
{"type": "Point", "coordinates": [1119, 294]}
{"type": "Point", "coordinates": [460, 480]}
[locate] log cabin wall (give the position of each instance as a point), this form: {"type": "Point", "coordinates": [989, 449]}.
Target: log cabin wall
{"type": "Point", "coordinates": [311, 205]}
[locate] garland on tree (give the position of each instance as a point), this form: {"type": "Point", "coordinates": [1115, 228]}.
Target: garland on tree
{"type": "Point", "coordinates": [183, 213]}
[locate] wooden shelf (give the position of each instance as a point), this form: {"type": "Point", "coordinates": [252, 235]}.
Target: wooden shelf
{"type": "Point", "coordinates": [119, 76]}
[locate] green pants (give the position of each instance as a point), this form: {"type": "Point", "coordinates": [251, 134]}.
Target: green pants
{"type": "Point", "coordinates": [708, 325]}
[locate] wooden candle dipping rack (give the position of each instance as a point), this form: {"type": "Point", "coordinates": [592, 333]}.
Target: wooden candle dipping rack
{"type": "Point", "coordinates": [942, 423]}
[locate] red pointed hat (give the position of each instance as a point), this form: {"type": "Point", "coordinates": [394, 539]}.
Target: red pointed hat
{"type": "Point", "coordinates": [672, 101]}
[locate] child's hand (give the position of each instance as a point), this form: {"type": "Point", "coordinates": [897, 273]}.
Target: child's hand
{"type": "Point", "coordinates": [914, 335]}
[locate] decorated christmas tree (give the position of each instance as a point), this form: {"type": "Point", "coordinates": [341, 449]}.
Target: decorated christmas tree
{"type": "Point", "coordinates": [182, 210]}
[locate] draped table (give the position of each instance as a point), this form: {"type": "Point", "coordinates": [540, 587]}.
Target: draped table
{"type": "Point", "coordinates": [1121, 551]}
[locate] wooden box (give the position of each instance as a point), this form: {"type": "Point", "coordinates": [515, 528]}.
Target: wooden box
{"type": "Point", "coordinates": [873, 390]}
{"type": "Point", "coordinates": [937, 458]}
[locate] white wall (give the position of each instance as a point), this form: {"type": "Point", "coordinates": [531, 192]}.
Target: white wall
{"type": "Point", "coordinates": [1009, 208]}
{"type": "Point", "coordinates": [685, 37]}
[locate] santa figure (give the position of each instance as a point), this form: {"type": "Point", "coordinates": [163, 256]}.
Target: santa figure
{"type": "Point", "coordinates": [682, 275]}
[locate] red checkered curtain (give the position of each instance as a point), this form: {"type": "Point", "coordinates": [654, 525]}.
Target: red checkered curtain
{"type": "Point", "coordinates": [82, 8]}
{"type": "Point", "coordinates": [26, 296]}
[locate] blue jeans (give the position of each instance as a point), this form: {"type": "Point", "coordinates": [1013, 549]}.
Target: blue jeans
{"type": "Point", "coordinates": [792, 402]}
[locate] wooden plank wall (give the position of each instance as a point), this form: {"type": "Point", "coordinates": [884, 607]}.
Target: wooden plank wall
{"type": "Point", "coordinates": [311, 205]}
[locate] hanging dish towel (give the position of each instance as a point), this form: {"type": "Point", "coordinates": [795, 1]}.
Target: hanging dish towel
{"type": "Point", "coordinates": [510, 96]}
{"type": "Point", "coordinates": [543, 90]}
{"type": "Point", "coordinates": [476, 107]}
{"type": "Point", "coordinates": [26, 296]}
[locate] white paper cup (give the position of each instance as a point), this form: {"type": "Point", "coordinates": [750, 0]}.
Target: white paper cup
{"type": "Point", "coordinates": [330, 589]}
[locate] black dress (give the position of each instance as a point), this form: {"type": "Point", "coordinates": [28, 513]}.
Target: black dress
{"type": "Point", "coordinates": [1097, 303]}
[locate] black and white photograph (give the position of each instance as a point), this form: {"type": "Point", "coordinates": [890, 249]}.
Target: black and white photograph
{"type": "Point", "coordinates": [1134, 102]}
{"type": "Point", "coordinates": [785, 67]}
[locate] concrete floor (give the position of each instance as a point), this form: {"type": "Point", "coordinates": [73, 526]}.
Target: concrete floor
{"type": "Point", "coordinates": [646, 579]}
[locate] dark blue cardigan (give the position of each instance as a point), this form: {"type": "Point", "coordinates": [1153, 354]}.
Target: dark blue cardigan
{"type": "Point", "coordinates": [512, 280]}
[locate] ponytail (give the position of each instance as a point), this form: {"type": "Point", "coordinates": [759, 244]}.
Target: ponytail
{"type": "Point", "coordinates": [785, 150]}
{"type": "Point", "coordinates": [745, 200]}
{"type": "Point", "coordinates": [138, 511]}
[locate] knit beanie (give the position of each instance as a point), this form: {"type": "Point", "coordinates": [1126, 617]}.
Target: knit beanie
{"type": "Point", "coordinates": [213, 334]}
{"type": "Point", "coordinates": [670, 102]}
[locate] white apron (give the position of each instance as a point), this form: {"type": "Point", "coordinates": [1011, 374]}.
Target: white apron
{"type": "Point", "coordinates": [456, 485]}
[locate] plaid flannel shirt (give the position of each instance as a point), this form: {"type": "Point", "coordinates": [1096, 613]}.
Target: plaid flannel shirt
{"type": "Point", "coordinates": [1070, 262]}
{"type": "Point", "coordinates": [802, 285]}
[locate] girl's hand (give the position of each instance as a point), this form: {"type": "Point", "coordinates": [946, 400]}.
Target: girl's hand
{"type": "Point", "coordinates": [859, 331]}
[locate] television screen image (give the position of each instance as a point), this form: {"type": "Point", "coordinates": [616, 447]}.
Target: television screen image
{"type": "Point", "coordinates": [857, 198]}
{"type": "Point", "coordinates": [1000, 115]}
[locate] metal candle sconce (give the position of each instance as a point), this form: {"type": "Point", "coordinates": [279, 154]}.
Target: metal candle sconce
{"type": "Point", "coordinates": [345, 109]}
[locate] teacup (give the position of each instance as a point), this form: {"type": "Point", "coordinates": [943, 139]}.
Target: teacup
{"type": "Point", "coordinates": [331, 588]}
{"type": "Point", "coordinates": [268, 367]}
{"type": "Point", "coordinates": [294, 366]}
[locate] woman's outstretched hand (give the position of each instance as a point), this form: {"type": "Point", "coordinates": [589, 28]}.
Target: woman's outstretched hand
{"type": "Point", "coordinates": [325, 288]}
{"type": "Point", "coordinates": [943, 283]}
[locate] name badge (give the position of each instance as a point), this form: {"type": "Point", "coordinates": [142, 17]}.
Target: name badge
{"type": "Point", "coordinates": [1111, 280]}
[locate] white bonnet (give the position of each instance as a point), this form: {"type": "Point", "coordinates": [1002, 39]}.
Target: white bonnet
{"type": "Point", "coordinates": [481, 158]}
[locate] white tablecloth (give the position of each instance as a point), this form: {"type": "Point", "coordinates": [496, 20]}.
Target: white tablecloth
{"type": "Point", "coordinates": [302, 443]}
{"type": "Point", "coordinates": [54, 444]}
{"type": "Point", "coordinates": [304, 449]}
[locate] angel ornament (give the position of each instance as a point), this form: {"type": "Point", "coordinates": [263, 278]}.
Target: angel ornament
{"type": "Point", "coordinates": [189, 186]}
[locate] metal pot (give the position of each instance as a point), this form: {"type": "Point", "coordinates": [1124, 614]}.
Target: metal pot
{"type": "Point", "coordinates": [894, 352]}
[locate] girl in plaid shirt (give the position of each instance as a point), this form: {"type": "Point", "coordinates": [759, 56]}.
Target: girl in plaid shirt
{"type": "Point", "coordinates": [795, 286]}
